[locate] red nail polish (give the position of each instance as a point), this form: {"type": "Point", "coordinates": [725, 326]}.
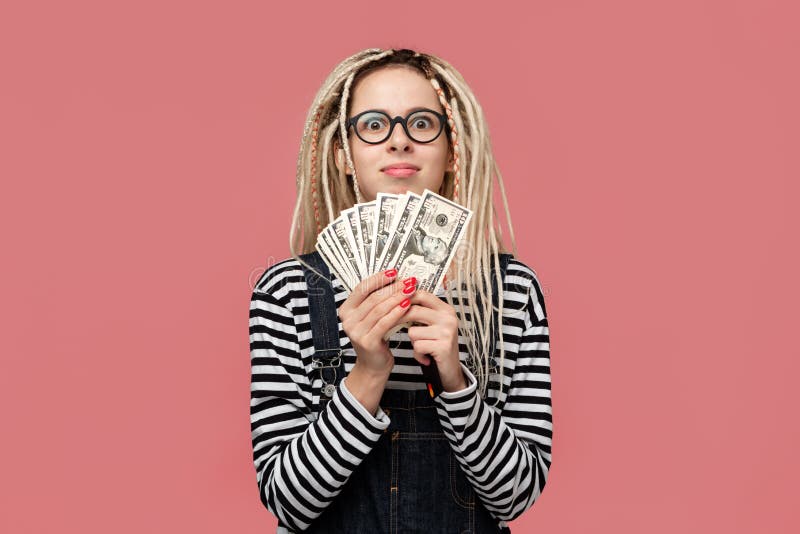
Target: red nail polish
{"type": "Point", "coordinates": [410, 281]}
{"type": "Point", "coordinates": [409, 289]}
{"type": "Point", "coordinates": [405, 303]}
{"type": "Point", "coordinates": [390, 272]}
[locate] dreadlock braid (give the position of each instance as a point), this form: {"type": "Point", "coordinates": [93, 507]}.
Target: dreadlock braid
{"type": "Point", "coordinates": [343, 132]}
{"type": "Point", "coordinates": [453, 136]}
{"type": "Point", "coordinates": [326, 186]}
{"type": "Point", "coordinates": [314, 136]}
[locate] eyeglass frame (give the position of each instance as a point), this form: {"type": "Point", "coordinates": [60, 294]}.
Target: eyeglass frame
{"type": "Point", "coordinates": [352, 121]}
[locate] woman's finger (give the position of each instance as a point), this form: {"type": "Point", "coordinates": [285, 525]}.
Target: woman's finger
{"type": "Point", "coordinates": [430, 300]}
{"type": "Point", "coordinates": [379, 296]}
{"type": "Point", "coordinates": [369, 284]}
{"type": "Point", "coordinates": [389, 313]}
{"type": "Point", "coordinates": [425, 346]}
{"type": "Point", "coordinates": [419, 313]}
{"type": "Point", "coordinates": [388, 304]}
{"type": "Point", "coordinates": [416, 333]}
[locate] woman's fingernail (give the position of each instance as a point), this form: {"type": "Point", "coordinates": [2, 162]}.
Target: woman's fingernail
{"type": "Point", "coordinates": [405, 303]}
{"type": "Point", "coordinates": [410, 281]}
{"type": "Point", "coordinates": [409, 289]}
{"type": "Point", "coordinates": [390, 272]}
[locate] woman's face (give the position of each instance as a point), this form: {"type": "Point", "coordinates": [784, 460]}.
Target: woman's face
{"type": "Point", "coordinates": [396, 90]}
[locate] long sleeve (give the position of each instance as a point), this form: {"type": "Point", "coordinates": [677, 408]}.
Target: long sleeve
{"type": "Point", "coordinates": [301, 463]}
{"type": "Point", "coordinates": [506, 456]}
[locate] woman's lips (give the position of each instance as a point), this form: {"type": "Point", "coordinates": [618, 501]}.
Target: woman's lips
{"type": "Point", "coordinates": [400, 173]}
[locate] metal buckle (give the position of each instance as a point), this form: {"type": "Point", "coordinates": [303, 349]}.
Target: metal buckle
{"type": "Point", "coordinates": [317, 363]}
{"type": "Point", "coordinates": [327, 388]}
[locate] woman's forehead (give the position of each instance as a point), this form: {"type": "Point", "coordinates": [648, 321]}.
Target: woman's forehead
{"type": "Point", "coordinates": [397, 91]}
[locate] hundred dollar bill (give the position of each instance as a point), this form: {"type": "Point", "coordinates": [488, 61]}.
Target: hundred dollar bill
{"type": "Point", "coordinates": [384, 213]}
{"type": "Point", "coordinates": [334, 258]}
{"type": "Point", "coordinates": [351, 219]}
{"type": "Point", "coordinates": [332, 263]}
{"type": "Point", "coordinates": [343, 239]}
{"type": "Point", "coordinates": [365, 215]}
{"type": "Point", "coordinates": [403, 211]}
{"type": "Point", "coordinates": [434, 230]}
{"type": "Point", "coordinates": [332, 243]}
{"type": "Point", "coordinates": [327, 236]}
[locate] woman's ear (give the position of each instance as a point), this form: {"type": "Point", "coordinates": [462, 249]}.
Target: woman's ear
{"type": "Point", "coordinates": [340, 157]}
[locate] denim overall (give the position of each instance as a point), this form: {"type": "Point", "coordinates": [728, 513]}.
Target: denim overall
{"type": "Point", "coordinates": [411, 481]}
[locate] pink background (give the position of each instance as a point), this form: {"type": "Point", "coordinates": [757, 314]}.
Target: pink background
{"type": "Point", "coordinates": [650, 151]}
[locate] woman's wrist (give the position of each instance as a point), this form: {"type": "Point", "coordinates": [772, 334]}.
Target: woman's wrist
{"type": "Point", "coordinates": [457, 386]}
{"type": "Point", "coordinates": [367, 386]}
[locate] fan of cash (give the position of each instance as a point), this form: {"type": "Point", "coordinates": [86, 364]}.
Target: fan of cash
{"type": "Point", "coordinates": [417, 234]}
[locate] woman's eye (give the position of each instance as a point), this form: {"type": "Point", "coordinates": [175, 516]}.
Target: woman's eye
{"type": "Point", "coordinates": [372, 123]}
{"type": "Point", "coordinates": [422, 123]}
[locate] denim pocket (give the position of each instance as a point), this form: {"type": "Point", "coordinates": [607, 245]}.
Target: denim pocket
{"type": "Point", "coordinates": [423, 482]}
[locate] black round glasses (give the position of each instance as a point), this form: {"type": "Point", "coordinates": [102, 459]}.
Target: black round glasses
{"type": "Point", "coordinates": [375, 127]}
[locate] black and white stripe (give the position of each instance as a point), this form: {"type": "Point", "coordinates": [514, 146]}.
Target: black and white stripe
{"type": "Point", "coordinates": [302, 462]}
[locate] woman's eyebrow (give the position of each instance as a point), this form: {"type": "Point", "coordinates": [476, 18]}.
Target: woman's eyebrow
{"type": "Point", "coordinates": [411, 110]}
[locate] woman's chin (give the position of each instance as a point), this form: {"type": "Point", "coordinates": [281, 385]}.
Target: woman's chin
{"type": "Point", "coordinates": [396, 188]}
{"type": "Point", "coordinates": [403, 188]}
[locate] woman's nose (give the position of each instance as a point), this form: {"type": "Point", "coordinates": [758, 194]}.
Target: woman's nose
{"type": "Point", "coordinates": [399, 139]}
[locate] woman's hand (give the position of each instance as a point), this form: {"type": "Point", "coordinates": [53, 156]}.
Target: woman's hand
{"type": "Point", "coordinates": [437, 337]}
{"type": "Point", "coordinates": [375, 305]}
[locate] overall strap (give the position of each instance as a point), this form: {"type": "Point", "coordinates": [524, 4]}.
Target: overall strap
{"type": "Point", "coordinates": [327, 357]}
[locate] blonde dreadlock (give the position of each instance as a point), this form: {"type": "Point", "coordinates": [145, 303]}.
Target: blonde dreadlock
{"type": "Point", "coordinates": [473, 167]}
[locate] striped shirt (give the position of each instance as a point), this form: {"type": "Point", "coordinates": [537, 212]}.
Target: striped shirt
{"type": "Point", "coordinates": [502, 442]}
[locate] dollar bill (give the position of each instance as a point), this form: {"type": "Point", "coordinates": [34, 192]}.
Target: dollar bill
{"type": "Point", "coordinates": [358, 246]}
{"type": "Point", "coordinates": [334, 258]}
{"type": "Point", "coordinates": [345, 242]}
{"type": "Point", "coordinates": [333, 245]}
{"type": "Point", "coordinates": [333, 263]}
{"type": "Point", "coordinates": [327, 237]}
{"type": "Point", "coordinates": [404, 208]}
{"type": "Point", "coordinates": [430, 240]}
{"type": "Point", "coordinates": [365, 215]}
{"type": "Point", "coordinates": [384, 213]}
{"type": "Point", "coordinates": [403, 211]}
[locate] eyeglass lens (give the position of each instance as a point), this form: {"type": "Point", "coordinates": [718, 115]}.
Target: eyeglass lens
{"type": "Point", "coordinates": [373, 127]}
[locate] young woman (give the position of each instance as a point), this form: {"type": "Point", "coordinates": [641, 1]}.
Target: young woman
{"type": "Point", "coordinates": [346, 435]}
